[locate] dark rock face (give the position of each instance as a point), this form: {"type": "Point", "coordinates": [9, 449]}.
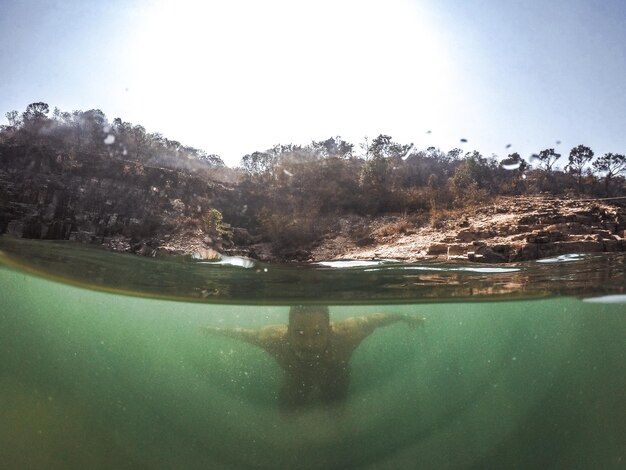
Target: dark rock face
{"type": "Point", "coordinates": [121, 204]}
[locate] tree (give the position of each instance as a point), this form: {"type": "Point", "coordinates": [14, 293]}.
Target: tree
{"type": "Point", "coordinates": [213, 225]}
{"type": "Point", "coordinates": [333, 147]}
{"type": "Point", "coordinates": [290, 155]}
{"type": "Point", "coordinates": [381, 155]}
{"type": "Point", "coordinates": [33, 120]}
{"type": "Point", "coordinates": [452, 155]}
{"type": "Point", "coordinates": [547, 158]}
{"type": "Point", "coordinates": [514, 162]}
{"type": "Point", "coordinates": [14, 119]}
{"type": "Point", "coordinates": [258, 163]}
{"type": "Point", "coordinates": [510, 174]}
{"type": "Point", "coordinates": [578, 157]}
{"type": "Point", "coordinates": [36, 112]}
{"type": "Point", "coordinates": [472, 179]}
{"type": "Point", "coordinates": [384, 147]}
{"type": "Point", "coordinates": [10, 130]}
{"type": "Point", "coordinates": [612, 164]}
{"type": "Point", "coordinates": [92, 124]}
{"type": "Point", "coordinates": [210, 159]}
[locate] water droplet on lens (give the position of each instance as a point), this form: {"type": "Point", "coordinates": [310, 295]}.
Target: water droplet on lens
{"type": "Point", "coordinates": [109, 139]}
{"type": "Point", "coordinates": [508, 146]}
{"type": "Point", "coordinates": [408, 152]}
{"type": "Point", "coordinates": [511, 165]}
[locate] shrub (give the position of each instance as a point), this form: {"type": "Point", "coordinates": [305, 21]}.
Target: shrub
{"type": "Point", "coordinates": [213, 226]}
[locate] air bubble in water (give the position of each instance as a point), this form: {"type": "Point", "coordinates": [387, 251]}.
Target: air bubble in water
{"type": "Point", "coordinates": [109, 139]}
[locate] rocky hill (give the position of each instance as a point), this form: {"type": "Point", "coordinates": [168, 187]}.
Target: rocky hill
{"type": "Point", "coordinates": [76, 177]}
{"type": "Point", "coordinates": [131, 207]}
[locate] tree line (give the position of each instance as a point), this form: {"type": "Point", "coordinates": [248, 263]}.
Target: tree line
{"type": "Point", "coordinates": [296, 191]}
{"type": "Point", "coordinates": [291, 193]}
{"type": "Point", "coordinates": [81, 135]}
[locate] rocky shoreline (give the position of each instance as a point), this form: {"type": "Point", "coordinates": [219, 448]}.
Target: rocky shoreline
{"type": "Point", "coordinates": [507, 230]}
{"type": "Point", "coordinates": [151, 220]}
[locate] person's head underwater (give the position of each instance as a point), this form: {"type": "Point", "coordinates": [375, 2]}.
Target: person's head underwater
{"type": "Point", "coordinates": [309, 330]}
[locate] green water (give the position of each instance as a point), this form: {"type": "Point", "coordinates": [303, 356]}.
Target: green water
{"type": "Point", "coordinates": [90, 379]}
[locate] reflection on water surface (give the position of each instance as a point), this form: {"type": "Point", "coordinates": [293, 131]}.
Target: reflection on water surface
{"type": "Point", "coordinates": [246, 282]}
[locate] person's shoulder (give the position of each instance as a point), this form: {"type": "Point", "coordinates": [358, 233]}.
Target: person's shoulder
{"type": "Point", "coordinates": [273, 332]}
{"type": "Point", "coordinates": [346, 327]}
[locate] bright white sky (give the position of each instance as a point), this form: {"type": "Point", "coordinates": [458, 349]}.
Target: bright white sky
{"type": "Point", "coordinates": [232, 77]}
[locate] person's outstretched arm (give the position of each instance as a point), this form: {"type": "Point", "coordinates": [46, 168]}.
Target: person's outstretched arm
{"type": "Point", "coordinates": [270, 338]}
{"type": "Point", "coordinates": [243, 334]}
{"type": "Point", "coordinates": [356, 329]}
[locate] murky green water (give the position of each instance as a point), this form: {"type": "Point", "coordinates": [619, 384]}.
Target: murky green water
{"type": "Point", "coordinates": [95, 379]}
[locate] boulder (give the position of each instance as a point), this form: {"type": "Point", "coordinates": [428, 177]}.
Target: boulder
{"type": "Point", "coordinates": [603, 235]}
{"type": "Point", "coordinates": [438, 249]}
{"type": "Point", "coordinates": [495, 254]}
{"type": "Point", "coordinates": [466, 235]}
{"type": "Point", "coordinates": [456, 250]}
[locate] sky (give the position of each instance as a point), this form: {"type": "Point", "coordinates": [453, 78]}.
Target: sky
{"type": "Point", "coordinates": [233, 77]}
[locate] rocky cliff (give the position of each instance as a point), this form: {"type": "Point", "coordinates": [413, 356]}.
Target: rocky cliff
{"type": "Point", "coordinates": [117, 203]}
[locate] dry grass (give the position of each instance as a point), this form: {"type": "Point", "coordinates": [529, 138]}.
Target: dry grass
{"type": "Point", "coordinates": [446, 219]}
{"type": "Point", "coordinates": [402, 226]}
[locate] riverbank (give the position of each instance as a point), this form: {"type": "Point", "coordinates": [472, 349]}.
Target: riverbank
{"type": "Point", "coordinates": [506, 230]}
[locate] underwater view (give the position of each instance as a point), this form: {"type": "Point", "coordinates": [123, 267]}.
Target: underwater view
{"type": "Point", "coordinates": [312, 235]}
{"type": "Point", "coordinates": [491, 372]}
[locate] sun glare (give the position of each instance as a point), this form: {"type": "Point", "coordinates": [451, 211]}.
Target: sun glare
{"type": "Point", "coordinates": [247, 74]}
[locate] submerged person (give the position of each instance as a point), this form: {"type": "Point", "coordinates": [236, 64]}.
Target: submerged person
{"type": "Point", "coordinates": [315, 352]}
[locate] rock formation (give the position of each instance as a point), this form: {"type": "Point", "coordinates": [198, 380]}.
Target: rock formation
{"type": "Point", "coordinates": [511, 230]}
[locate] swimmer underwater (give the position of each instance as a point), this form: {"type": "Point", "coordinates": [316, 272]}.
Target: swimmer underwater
{"type": "Point", "coordinates": [314, 352]}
